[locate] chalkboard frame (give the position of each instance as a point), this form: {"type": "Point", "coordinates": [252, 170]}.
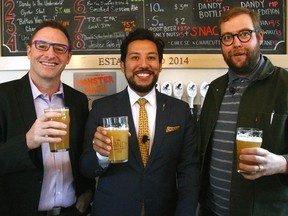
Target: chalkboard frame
{"type": "Point", "coordinates": [110, 61]}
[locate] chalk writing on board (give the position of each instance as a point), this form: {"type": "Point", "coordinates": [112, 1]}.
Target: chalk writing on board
{"type": "Point", "coordinates": [99, 26]}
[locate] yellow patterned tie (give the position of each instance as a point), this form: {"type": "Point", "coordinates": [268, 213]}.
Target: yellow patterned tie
{"type": "Point", "coordinates": [143, 134]}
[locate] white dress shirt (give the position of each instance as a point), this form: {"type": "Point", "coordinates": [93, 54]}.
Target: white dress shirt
{"type": "Point", "coordinates": [151, 108]}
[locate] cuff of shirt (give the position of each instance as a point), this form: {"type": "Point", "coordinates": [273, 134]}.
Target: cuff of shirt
{"type": "Point", "coordinates": [103, 160]}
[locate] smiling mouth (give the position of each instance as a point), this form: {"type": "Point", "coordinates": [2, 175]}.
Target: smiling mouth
{"type": "Point", "coordinates": [48, 63]}
{"type": "Point", "coordinates": [143, 74]}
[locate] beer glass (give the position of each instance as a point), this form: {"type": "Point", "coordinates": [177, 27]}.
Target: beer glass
{"type": "Point", "coordinates": [247, 138]}
{"type": "Point", "coordinates": [64, 118]}
{"type": "Point", "coordinates": [117, 130]}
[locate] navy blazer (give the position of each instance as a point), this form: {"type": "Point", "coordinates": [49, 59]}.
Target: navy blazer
{"type": "Point", "coordinates": [21, 171]}
{"type": "Point", "coordinates": [169, 183]}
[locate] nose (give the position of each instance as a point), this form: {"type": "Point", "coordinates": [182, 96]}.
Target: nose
{"type": "Point", "coordinates": [50, 51]}
{"type": "Point", "coordinates": [144, 62]}
{"type": "Point", "coordinates": [236, 41]}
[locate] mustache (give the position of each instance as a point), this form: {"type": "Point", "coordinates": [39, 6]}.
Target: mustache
{"type": "Point", "coordinates": [238, 53]}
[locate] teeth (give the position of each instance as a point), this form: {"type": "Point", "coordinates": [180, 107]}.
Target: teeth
{"type": "Point", "coordinates": [48, 64]}
{"type": "Point", "coordinates": [143, 75]}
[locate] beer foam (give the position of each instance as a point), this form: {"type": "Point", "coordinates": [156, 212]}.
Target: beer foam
{"type": "Point", "coordinates": [249, 139]}
{"type": "Point", "coordinates": [116, 128]}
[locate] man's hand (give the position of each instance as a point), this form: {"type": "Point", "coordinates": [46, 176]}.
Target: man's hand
{"type": "Point", "coordinates": [101, 142]}
{"type": "Point", "coordinates": [83, 201]}
{"type": "Point", "coordinates": [43, 129]}
{"type": "Point", "coordinates": [267, 163]}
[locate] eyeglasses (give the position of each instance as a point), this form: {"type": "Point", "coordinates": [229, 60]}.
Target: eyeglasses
{"type": "Point", "coordinates": [44, 46]}
{"type": "Point", "coordinates": [244, 36]}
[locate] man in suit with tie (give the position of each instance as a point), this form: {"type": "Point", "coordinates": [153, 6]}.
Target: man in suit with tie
{"type": "Point", "coordinates": [166, 183]}
{"type": "Point", "coordinates": [33, 180]}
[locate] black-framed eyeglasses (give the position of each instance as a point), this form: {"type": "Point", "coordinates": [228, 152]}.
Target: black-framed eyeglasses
{"type": "Point", "coordinates": [244, 36]}
{"type": "Point", "coordinates": [44, 46]}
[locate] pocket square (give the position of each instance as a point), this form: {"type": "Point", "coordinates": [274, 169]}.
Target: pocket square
{"type": "Point", "coordinates": [171, 129]}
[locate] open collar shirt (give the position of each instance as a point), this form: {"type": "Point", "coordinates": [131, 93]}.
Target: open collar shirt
{"type": "Point", "coordinates": [57, 188]}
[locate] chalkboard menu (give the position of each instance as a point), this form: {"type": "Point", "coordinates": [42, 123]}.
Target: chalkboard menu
{"type": "Point", "coordinates": [99, 26]}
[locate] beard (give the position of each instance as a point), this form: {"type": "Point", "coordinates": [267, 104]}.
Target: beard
{"type": "Point", "coordinates": [141, 89]}
{"type": "Point", "coordinates": [248, 65]}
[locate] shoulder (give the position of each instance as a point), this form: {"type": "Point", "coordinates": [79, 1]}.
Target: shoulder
{"type": "Point", "coordinates": [7, 85]}
{"type": "Point", "coordinates": [220, 80]}
{"type": "Point", "coordinates": [272, 70]}
{"type": "Point", "coordinates": [13, 86]}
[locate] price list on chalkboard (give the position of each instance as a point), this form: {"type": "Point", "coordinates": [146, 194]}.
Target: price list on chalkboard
{"type": "Point", "coordinates": [191, 26]}
{"type": "Point", "coordinates": [99, 26]}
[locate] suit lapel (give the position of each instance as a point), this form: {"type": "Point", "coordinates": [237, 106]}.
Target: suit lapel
{"type": "Point", "coordinates": [26, 103]}
{"type": "Point", "coordinates": [218, 92]}
{"type": "Point", "coordinates": [27, 109]}
{"type": "Point", "coordinates": [123, 107]}
{"type": "Point", "coordinates": [162, 118]}
{"type": "Point", "coordinates": [69, 101]}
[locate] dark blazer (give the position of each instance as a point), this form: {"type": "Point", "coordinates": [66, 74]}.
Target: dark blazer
{"type": "Point", "coordinates": [21, 171]}
{"type": "Point", "coordinates": [169, 183]}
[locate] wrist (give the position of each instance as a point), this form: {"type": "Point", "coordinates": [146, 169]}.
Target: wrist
{"type": "Point", "coordinates": [284, 167]}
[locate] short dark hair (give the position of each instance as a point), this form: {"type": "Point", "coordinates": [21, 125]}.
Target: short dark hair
{"type": "Point", "coordinates": [141, 34]}
{"type": "Point", "coordinates": [239, 11]}
{"type": "Point", "coordinates": [53, 24]}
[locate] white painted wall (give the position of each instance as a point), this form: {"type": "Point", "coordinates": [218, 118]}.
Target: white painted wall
{"type": "Point", "coordinates": [184, 75]}
{"type": "Point", "coordinates": [170, 75]}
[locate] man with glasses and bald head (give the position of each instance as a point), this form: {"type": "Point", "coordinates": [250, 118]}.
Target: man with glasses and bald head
{"type": "Point", "coordinates": [253, 93]}
{"type": "Point", "coordinates": [33, 180]}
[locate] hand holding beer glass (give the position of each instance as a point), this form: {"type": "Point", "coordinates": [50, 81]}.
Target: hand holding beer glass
{"type": "Point", "coordinates": [247, 138]}
{"type": "Point", "coordinates": [64, 118]}
{"type": "Point", "coordinates": [117, 131]}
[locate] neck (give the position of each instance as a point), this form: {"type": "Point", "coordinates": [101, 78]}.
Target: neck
{"type": "Point", "coordinates": [47, 86]}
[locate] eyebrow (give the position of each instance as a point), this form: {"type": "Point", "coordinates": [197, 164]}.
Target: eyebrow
{"type": "Point", "coordinates": [244, 29]}
{"type": "Point", "coordinates": [149, 53]}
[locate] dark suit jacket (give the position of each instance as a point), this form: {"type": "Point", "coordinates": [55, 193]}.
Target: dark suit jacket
{"type": "Point", "coordinates": [21, 171]}
{"type": "Point", "coordinates": [169, 183]}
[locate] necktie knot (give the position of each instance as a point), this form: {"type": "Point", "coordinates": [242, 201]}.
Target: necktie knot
{"type": "Point", "coordinates": [142, 101]}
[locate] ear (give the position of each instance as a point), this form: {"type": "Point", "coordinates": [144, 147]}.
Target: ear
{"type": "Point", "coordinates": [122, 66]}
{"type": "Point", "coordinates": [28, 50]}
{"type": "Point", "coordinates": [69, 57]}
{"type": "Point", "coordinates": [160, 67]}
{"type": "Point", "coordinates": [261, 37]}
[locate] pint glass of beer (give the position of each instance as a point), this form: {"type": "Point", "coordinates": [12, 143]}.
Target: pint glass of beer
{"type": "Point", "coordinates": [117, 130]}
{"type": "Point", "coordinates": [247, 138]}
{"type": "Point", "coordinates": [65, 118]}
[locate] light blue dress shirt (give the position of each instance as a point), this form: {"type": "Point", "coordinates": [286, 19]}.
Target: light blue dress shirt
{"type": "Point", "coordinates": [57, 187]}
